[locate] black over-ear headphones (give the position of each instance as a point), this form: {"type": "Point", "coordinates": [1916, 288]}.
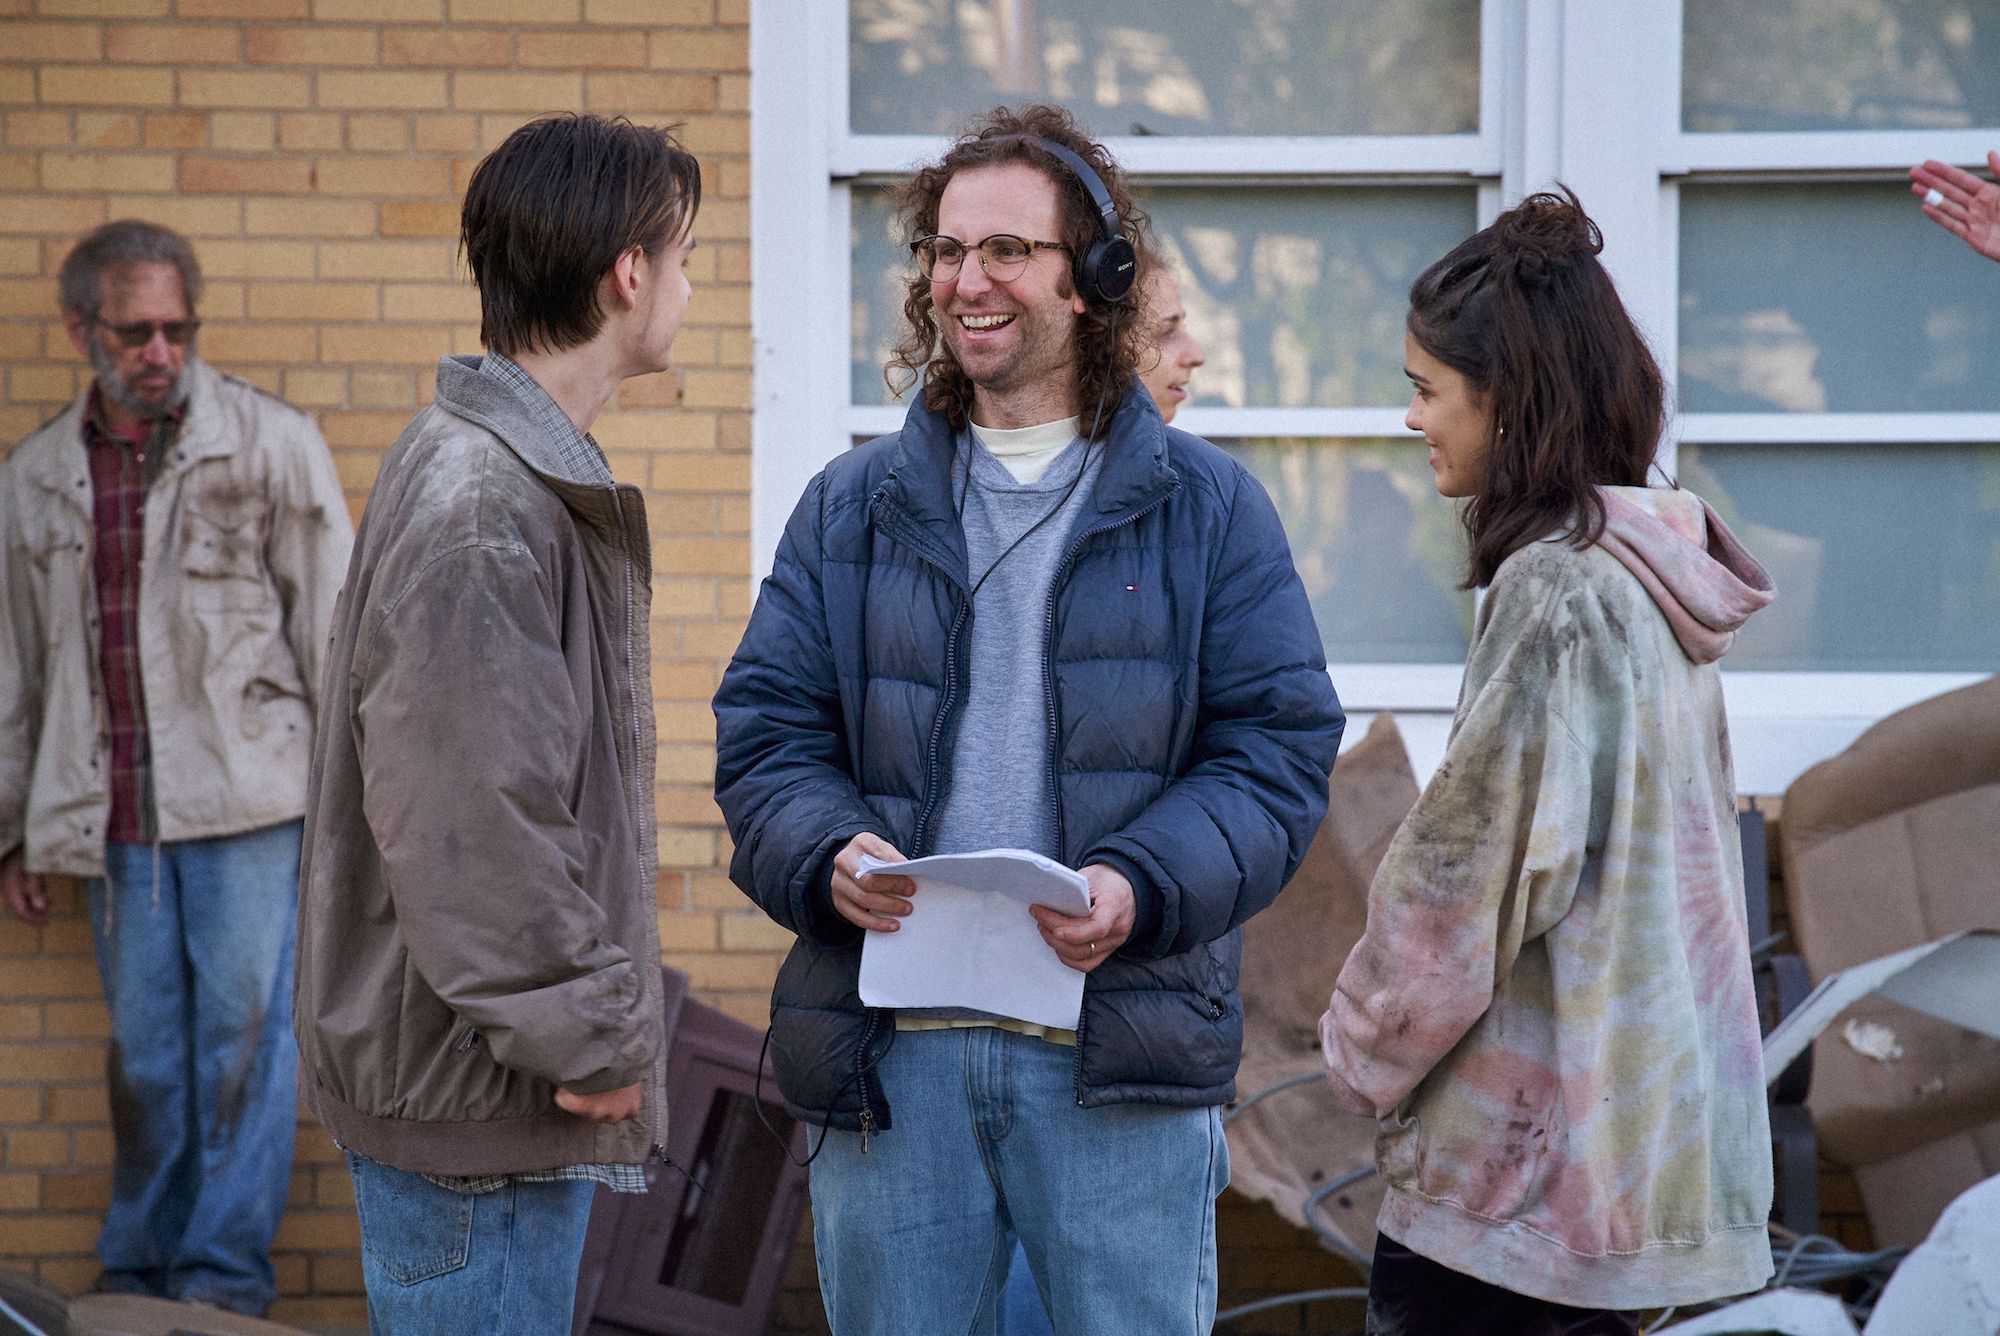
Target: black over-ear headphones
{"type": "Point", "coordinates": [1104, 271]}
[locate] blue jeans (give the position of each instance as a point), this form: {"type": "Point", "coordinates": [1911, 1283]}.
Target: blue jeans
{"type": "Point", "coordinates": [1021, 1311]}
{"type": "Point", "coordinates": [1115, 1207]}
{"type": "Point", "coordinates": [194, 946]}
{"type": "Point", "coordinates": [443, 1263]}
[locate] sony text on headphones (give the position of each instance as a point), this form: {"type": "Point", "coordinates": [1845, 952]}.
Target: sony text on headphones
{"type": "Point", "coordinates": [1104, 271]}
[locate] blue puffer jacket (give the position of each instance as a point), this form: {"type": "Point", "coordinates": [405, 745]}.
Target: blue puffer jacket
{"type": "Point", "coordinates": [1188, 699]}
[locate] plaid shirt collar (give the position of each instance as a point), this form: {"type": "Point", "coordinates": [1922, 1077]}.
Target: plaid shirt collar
{"type": "Point", "coordinates": [580, 453]}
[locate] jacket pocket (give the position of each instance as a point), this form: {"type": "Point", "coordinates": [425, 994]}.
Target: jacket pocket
{"type": "Point", "coordinates": [411, 1228]}
{"type": "Point", "coordinates": [222, 554]}
{"type": "Point", "coordinates": [53, 549]}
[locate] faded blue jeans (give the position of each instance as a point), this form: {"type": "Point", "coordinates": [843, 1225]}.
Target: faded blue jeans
{"type": "Point", "coordinates": [194, 946]}
{"type": "Point", "coordinates": [1021, 1311]}
{"type": "Point", "coordinates": [1115, 1207]}
{"type": "Point", "coordinates": [443, 1263]}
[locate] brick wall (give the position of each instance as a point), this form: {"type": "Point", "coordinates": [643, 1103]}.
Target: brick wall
{"type": "Point", "coordinates": [315, 150]}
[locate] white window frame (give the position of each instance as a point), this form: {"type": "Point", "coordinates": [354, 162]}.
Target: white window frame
{"type": "Point", "coordinates": [1582, 91]}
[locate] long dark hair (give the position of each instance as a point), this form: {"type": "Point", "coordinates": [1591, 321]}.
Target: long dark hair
{"type": "Point", "coordinates": [1526, 313]}
{"type": "Point", "coordinates": [1109, 338]}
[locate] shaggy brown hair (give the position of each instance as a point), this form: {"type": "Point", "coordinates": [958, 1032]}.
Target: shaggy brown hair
{"type": "Point", "coordinates": [549, 212]}
{"type": "Point", "coordinates": [1110, 339]}
{"type": "Point", "coordinates": [1526, 313]}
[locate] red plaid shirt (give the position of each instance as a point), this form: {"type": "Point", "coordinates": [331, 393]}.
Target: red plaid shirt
{"type": "Point", "coordinates": [118, 511]}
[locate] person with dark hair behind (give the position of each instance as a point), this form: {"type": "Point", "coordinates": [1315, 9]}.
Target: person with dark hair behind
{"type": "Point", "coordinates": [479, 1014]}
{"type": "Point", "coordinates": [1551, 1009]}
{"type": "Point", "coordinates": [1034, 618]}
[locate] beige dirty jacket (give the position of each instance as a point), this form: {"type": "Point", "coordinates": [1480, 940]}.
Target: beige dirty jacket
{"type": "Point", "coordinates": [245, 543]}
{"type": "Point", "coordinates": [477, 918]}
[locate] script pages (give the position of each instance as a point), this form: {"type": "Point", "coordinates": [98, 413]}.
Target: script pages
{"type": "Point", "coordinates": [969, 940]}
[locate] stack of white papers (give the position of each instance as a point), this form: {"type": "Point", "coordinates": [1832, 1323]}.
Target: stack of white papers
{"type": "Point", "coordinates": [969, 940]}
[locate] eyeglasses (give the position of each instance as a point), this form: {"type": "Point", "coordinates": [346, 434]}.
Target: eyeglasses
{"type": "Point", "coordinates": [1002, 256]}
{"type": "Point", "coordinates": [139, 333]}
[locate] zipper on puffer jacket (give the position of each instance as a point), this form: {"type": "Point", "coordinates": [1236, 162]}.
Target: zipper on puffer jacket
{"type": "Point", "coordinates": [899, 525]}
{"type": "Point", "coordinates": [934, 782]}
{"type": "Point", "coordinates": [861, 1077]}
{"type": "Point", "coordinates": [1054, 709]}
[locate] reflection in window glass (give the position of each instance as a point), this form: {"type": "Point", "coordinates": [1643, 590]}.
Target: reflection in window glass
{"type": "Point", "coordinates": [1886, 557]}
{"type": "Point", "coordinates": [1381, 553]}
{"type": "Point", "coordinates": [1297, 294]}
{"type": "Point", "coordinates": [882, 269]}
{"type": "Point", "coordinates": [1831, 298]}
{"type": "Point", "coordinates": [1840, 64]}
{"type": "Point", "coordinates": [1176, 67]}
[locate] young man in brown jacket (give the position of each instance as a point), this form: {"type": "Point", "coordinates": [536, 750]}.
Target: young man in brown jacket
{"type": "Point", "coordinates": [478, 1006]}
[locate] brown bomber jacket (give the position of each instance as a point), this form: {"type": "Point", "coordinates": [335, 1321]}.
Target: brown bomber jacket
{"type": "Point", "coordinates": [476, 904]}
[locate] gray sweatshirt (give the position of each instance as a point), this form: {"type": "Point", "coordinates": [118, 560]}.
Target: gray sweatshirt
{"type": "Point", "coordinates": [1000, 795]}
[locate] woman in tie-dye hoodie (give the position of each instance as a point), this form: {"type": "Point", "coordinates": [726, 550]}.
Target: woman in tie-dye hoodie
{"type": "Point", "coordinates": [1551, 1010]}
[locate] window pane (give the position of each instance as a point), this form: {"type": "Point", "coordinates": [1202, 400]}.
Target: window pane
{"type": "Point", "coordinates": [1177, 67]}
{"type": "Point", "coordinates": [1886, 557]}
{"type": "Point", "coordinates": [1831, 298]}
{"type": "Point", "coordinates": [1296, 294]}
{"type": "Point", "coordinates": [882, 266]}
{"type": "Point", "coordinates": [1839, 64]}
{"type": "Point", "coordinates": [1381, 553]}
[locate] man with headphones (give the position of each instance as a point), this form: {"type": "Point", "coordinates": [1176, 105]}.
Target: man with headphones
{"type": "Point", "coordinates": [1035, 618]}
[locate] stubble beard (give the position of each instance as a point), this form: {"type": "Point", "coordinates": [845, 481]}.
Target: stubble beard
{"type": "Point", "coordinates": [113, 385]}
{"type": "Point", "coordinates": [1038, 357]}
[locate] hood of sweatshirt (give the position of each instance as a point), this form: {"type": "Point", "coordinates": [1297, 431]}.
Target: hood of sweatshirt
{"type": "Point", "coordinates": [1705, 582]}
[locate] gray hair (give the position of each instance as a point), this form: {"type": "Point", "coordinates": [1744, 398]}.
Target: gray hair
{"type": "Point", "coordinates": [80, 286]}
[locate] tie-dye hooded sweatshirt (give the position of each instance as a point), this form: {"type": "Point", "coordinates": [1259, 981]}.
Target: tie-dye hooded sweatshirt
{"type": "Point", "coordinates": [1551, 1009]}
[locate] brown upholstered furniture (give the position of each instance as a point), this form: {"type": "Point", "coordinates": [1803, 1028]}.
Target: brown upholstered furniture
{"type": "Point", "coordinates": [707, 1260]}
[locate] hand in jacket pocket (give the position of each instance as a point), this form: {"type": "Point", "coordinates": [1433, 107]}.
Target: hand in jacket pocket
{"type": "Point", "coordinates": [609, 1106]}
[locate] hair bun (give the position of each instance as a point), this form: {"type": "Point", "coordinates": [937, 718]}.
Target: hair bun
{"type": "Point", "coordinates": [1544, 232]}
